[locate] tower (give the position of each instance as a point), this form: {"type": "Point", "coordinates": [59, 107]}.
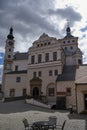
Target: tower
{"type": "Point", "coordinates": [9, 51]}
{"type": "Point", "coordinates": [70, 46]}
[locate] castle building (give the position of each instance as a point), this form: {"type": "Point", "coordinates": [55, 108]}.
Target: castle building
{"type": "Point", "coordinates": [46, 71]}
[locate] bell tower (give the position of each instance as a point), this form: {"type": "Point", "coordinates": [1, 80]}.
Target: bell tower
{"type": "Point", "coordinates": [9, 49]}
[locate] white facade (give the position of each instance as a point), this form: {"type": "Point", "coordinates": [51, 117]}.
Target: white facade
{"type": "Point", "coordinates": [35, 72]}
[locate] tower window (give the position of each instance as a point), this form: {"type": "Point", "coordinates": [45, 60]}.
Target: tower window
{"type": "Point", "coordinates": [68, 41]}
{"type": "Point", "coordinates": [9, 49]}
{"type": "Point", "coordinates": [73, 40]}
{"type": "Point", "coordinates": [79, 61]}
{"type": "Point", "coordinates": [45, 44]}
{"type": "Point", "coordinates": [9, 56]}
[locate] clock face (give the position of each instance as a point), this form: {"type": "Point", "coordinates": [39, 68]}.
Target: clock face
{"type": "Point", "coordinates": [8, 66]}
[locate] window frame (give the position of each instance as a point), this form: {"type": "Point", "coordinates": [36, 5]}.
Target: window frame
{"type": "Point", "coordinates": [39, 58]}
{"type": "Point", "coordinates": [12, 92]}
{"type": "Point", "coordinates": [18, 79]}
{"type": "Point", "coordinates": [39, 74]}
{"type": "Point", "coordinates": [33, 59]}
{"type": "Point", "coordinates": [34, 74]}
{"type": "Point", "coordinates": [68, 91]}
{"type": "Point", "coordinates": [51, 92]}
{"type": "Point", "coordinates": [50, 73]}
{"type": "Point", "coordinates": [55, 56]}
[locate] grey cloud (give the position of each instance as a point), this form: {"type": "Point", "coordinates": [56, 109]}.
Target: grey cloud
{"type": "Point", "coordinates": [27, 17]}
{"type": "Point", "coordinates": [67, 13]}
{"type": "Point", "coordinates": [30, 18]}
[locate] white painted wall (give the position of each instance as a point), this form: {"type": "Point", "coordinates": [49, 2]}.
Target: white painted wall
{"type": "Point", "coordinates": [61, 87]}
{"type": "Point", "coordinates": [22, 64]}
{"type": "Point", "coordinates": [10, 82]}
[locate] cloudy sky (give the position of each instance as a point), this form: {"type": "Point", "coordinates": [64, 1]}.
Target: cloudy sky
{"type": "Point", "coordinates": [31, 18]}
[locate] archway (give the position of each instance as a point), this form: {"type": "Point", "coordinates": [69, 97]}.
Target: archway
{"type": "Point", "coordinates": [35, 87]}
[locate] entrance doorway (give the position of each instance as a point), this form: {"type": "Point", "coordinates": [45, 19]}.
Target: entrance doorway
{"type": "Point", "coordinates": [85, 100]}
{"type": "Point", "coordinates": [61, 103]}
{"type": "Point", "coordinates": [35, 92]}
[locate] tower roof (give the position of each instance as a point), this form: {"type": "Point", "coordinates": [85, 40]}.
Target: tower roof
{"type": "Point", "coordinates": [68, 32]}
{"type": "Point", "coordinates": [10, 35]}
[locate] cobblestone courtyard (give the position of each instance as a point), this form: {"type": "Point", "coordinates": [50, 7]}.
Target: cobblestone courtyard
{"type": "Point", "coordinates": [12, 113]}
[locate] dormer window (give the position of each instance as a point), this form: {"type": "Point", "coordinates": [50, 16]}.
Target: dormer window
{"type": "Point", "coordinates": [68, 41]}
{"type": "Point", "coordinates": [73, 40]}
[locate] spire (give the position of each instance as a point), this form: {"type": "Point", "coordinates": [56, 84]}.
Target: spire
{"type": "Point", "coordinates": [10, 35]}
{"type": "Point", "coordinates": [68, 31]}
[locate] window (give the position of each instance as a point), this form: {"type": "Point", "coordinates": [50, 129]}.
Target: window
{"type": "Point", "coordinates": [47, 57]}
{"type": "Point", "coordinates": [68, 41]}
{"type": "Point", "coordinates": [71, 47]}
{"type": "Point", "coordinates": [34, 74]}
{"type": "Point", "coordinates": [54, 56]}
{"type": "Point", "coordinates": [9, 49]}
{"type": "Point", "coordinates": [51, 91]}
{"type": "Point", "coordinates": [73, 40]}
{"type": "Point", "coordinates": [68, 91]}
{"type": "Point", "coordinates": [18, 79]}
{"type": "Point", "coordinates": [39, 73]}
{"type": "Point", "coordinates": [79, 61]}
{"type": "Point", "coordinates": [48, 43]}
{"type": "Point", "coordinates": [9, 56]}
{"type": "Point", "coordinates": [24, 91]}
{"type": "Point", "coordinates": [50, 73]}
{"type": "Point", "coordinates": [56, 72]}
{"type": "Point", "coordinates": [32, 59]}
{"type": "Point", "coordinates": [16, 68]}
{"type": "Point", "coordinates": [39, 58]}
{"type": "Point", "coordinates": [12, 92]}
{"type": "Point", "coordinates": [65, 48]}
{"type": "Point", "coordinates": [64, 42]}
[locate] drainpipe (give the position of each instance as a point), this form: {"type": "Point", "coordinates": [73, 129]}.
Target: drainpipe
{"type": "Point", "coordinates": [76, 98]}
